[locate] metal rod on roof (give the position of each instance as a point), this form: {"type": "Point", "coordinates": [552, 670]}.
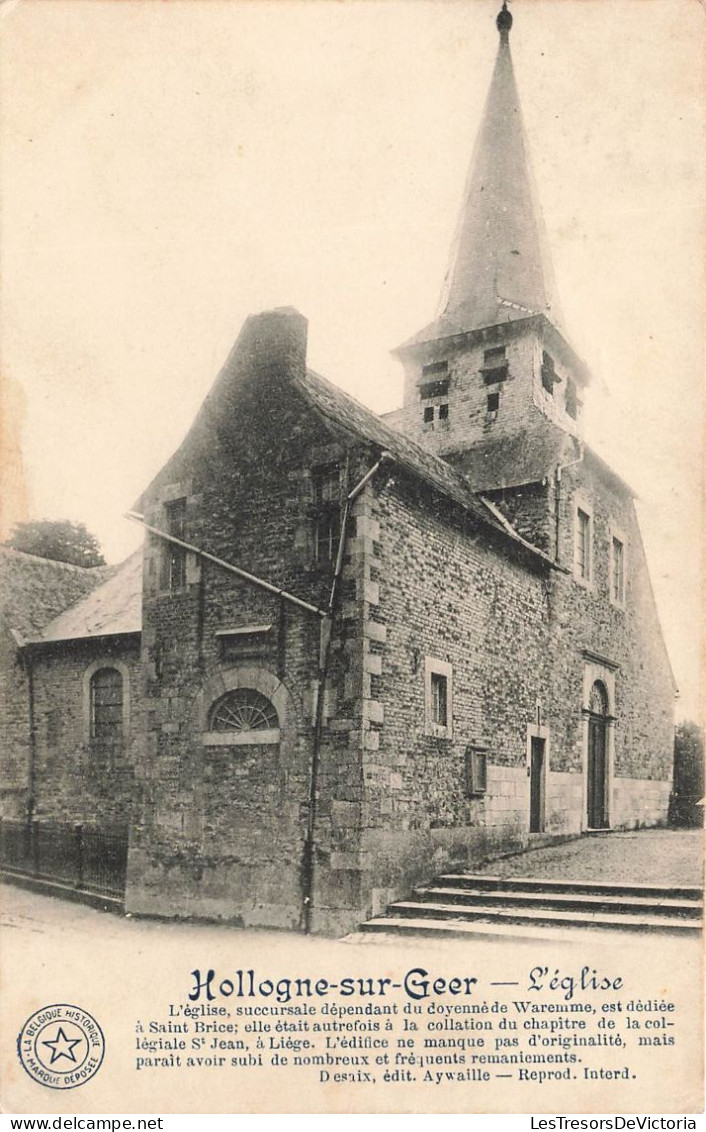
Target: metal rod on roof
{"type": "Point", "coordinates": [227, 566]}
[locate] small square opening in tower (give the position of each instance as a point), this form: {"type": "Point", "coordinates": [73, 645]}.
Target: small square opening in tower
{"type": "Point", "coordinates": [434, 389]}
{"type": "Point", "coordinates": [493, 402]}
{"type": "Point", "coordinates": [572, 399]}
{"type": "Point", "coordinates": [549, 374]}
{"type": "Point", "coordinates": [495, 375]}
{"type": "Point", "coordinates": [428, 414]}
{"type": "Point", "coordinates": [493, 355]}
{"type": "Point", "coordinates": [435, 368]}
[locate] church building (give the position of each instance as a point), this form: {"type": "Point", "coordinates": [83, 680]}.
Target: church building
{"type": "Point", "coordinates": [355, 650]}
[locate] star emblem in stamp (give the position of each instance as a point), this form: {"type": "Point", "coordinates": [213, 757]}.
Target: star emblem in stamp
{"type": "Point", "coordinates": [61, 1046]}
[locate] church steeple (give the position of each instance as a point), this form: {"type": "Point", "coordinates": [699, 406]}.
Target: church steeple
{"type": "Point", "coordinates": [499, 267]}
{"type": "Point", "coordinates": [495, 363]}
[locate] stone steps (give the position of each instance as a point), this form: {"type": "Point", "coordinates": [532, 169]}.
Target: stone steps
{"type": "Point", "coordinates": [564, 901]}
{"type": "Point", "coordinates": [461, 901]}
{"type": "Point", "coordinates": [590, 887]}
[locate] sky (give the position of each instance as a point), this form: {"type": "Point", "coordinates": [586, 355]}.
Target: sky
{"type": "Point", "coordinates": [169, 166]}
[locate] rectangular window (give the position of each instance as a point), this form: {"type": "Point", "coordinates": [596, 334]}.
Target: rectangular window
{"type": "Point", "coordinates": [434, 389]}
{"type": "Point", "coordinates": [476, 770]}
{"type": "Point", "coordinates": [326, 513]}
{"type": "Point", "coordinates": [438, 710]}
{"type": "Point", "coordinates": [439, 699]}
{"type": "Point", "coordinates": [428, 414]}
{"type": "Point", "coordinates": [618, 571]}
{"type": "Point", "coordinates": [583, 545]}
{"type": "Point", "coordinates": [326, 483]}
{"type": "Point", "coordinates": [327, 529]}
{"type": "Point", "coordinates": [174, 557]}
{"type": "Point", "coordinates": [493, 403]}
{"type": "Point", "coordinates": [493, 354]}
{"type": "Point", "coordinates": [572, 401]}
{"type": "Point", "coordinates": [443, 412]}
{"type": "Point", "coordinates": [549, 375]}
{"type": "Point", "coordinates": [494, 375]}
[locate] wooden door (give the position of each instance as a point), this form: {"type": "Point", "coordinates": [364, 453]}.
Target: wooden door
{"type": "Point", "coordinates": [597, 768]}
{"type": "Point", "coordinates": [537, 785]}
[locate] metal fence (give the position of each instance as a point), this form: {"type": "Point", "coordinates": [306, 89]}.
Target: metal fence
{"type": "Point", "coordinates": [91, 858]}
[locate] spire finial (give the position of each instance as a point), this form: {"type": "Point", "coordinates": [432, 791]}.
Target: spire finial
{"type": "Point", "coordinates": [504, 21]}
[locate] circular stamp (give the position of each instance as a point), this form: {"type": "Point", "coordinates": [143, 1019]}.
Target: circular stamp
{"type": "Point", "coordinates": [61, 1046]}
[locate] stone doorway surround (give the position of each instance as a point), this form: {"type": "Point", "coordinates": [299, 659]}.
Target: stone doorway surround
{"type": "Point", "coordinates": [598, 669]}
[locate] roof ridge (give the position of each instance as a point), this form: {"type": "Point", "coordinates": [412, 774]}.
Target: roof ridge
{"type": "Point", "coordinates": [433, 469]}
{"type": "Point", "coordinates": [395, 433]}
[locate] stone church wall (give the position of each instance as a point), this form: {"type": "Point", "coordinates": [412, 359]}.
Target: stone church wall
{"type": "Point", "coordinates": [445, 594]}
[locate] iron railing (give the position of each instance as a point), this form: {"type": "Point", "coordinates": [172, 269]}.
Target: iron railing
{"type": "Point", "coordinates": [86, 857]}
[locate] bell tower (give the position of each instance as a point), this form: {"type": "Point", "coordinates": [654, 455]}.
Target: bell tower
{"type": "Point", "coordinates": [495, 361]}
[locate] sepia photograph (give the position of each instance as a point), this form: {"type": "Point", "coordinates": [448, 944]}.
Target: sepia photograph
{"type": "Point", "coordinates": [351, 600]}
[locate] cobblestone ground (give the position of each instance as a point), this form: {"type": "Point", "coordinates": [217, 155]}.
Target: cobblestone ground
{"type": "Point", "coordinates": [645, 856]}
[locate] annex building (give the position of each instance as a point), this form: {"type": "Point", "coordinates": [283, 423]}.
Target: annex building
{"type": "Point", "coordinates": [354, 650]}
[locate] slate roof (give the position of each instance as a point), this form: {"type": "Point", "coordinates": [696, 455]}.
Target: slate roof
{"type": "Point", "coordinates": [344, 411]}
{"type": "Point", "coordinates": [112, 608]}
{"type": "Point", "coordinates": [34, 590]}
{"type": "Point", "coordinates": [500, 264]}
{"type": "Point", "coordinates": [515, 460]}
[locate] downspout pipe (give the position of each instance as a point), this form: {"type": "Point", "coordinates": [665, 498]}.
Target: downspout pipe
{"type": "Point", "coordinates": [557, 483]}
{"type": "Point", "coordinates": [25, 655]}
{"type": "Point", "coordinates": [324, 663]}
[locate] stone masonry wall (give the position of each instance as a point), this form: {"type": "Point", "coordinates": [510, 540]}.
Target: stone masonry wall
{"type": "Point", "coordinates": [77, 780]}
{"type": "Point", "coordinates": [222, 827]}
{"type": "Point", "coordinates": [14, 727]}
{"type": "Point", "coordinates": [445, 593]}
{"type": "Point", "coordinates": [625, 638]}
{"type": "Point", "coordinates": [468, 419]}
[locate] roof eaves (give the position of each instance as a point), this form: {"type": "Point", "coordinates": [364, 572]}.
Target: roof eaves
{"type": "Point", "coordinates": [461, 495]}
{"type": "Point", "coordinates": [441, 331]}
{"type": "Point", "coordinates": [35, 642]}
{"type": "Point", "coordinates": [518, 537]}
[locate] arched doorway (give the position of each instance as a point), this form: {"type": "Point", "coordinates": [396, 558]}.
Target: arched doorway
{"type": "Point", "coordinates": [597, 769]}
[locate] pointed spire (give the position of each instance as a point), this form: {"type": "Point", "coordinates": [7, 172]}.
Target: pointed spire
{"type": "Point", "coordinates": [499, 270]}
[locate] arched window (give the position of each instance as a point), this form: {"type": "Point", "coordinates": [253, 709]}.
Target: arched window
{"type": "Point", "coordinates": [243, 709]}
{"type": "Point", "coordinates": [106, 706]}
{"type": "Point", "coordinates": [598, 703]}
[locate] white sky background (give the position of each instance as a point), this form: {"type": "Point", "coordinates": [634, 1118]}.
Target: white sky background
{"type": "Point", "coordinates": [169, 166]}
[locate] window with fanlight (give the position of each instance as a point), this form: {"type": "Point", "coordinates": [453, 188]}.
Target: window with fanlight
{"type": "Point", "coordinates": [242, 716]}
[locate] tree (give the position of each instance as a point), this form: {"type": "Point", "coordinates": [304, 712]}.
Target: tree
{"type": "Point", "coordinates": [686, 806]}
{"type": "Point", "coordinates": [58, 539]}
